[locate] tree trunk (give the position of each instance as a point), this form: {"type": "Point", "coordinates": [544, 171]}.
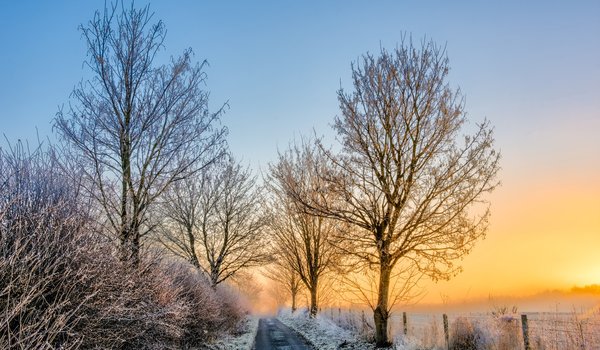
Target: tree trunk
{"type": "Point", "coordinates": [380, 314]}
{"type": "Point", "coordinates": [131, 248]}
{"type": "Point", "coordinates": [214, 276]}
{"type": "Point", "coordinates": [314, 308]}
{"type": "Point", "coordinates": [192, 239]}
{"type": "Point", "coordinates": [126, 216]}
{"type": "Point", "coordinates": [135, 248]}
{"type": "Point", "coordinates": [123, 243]}
{"type": "Point", "coordinates": [294, 301]}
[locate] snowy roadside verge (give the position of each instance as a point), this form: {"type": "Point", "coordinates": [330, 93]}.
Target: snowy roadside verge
{"type": "Point", "coordinates": [242, 341]}
{"type": "Point", "coordinates": [322, 333]}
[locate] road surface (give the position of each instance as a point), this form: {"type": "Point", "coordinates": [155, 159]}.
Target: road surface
{"type": "Point", "coordinates": [274, 335]}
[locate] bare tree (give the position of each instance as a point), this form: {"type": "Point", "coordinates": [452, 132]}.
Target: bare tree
{"type": "Point", "coordinates": [410, 187]}
{"type": "Point", "coordinates": [214, 220]}
{"type": "Point", "coordinates": [279, 294]}
{"type": "Point", "coordinates": [302, 238]}
{"type": "Point", "coordinates": [186, 205]}
{"type": "Point", "coordinates": [137, 127]}
{"type": "Point", "coordinates": [285, 277]}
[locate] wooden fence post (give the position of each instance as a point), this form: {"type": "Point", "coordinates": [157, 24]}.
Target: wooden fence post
{"type": "Point", "coordinates": [363, 322]}
{"type": "Point", "coordinates": [525, 327]}
{"type": "Point", "coordinates": [405, 328]}
{"type": "Point", "coordinates": [446, 335]}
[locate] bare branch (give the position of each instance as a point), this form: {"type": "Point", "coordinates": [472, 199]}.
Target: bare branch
{"type": "Point", "coordinates": [137, 128]}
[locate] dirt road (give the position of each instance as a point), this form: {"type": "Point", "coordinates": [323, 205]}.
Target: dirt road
{"type": "Point", "coordinates": [274, 335]}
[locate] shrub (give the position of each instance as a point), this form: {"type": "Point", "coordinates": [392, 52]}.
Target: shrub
{"type": "Point", "coordinates": [509, 331]}
{"type": "Point", "coordinates": [39, 244]}
{"type": "Point", "coordinates": [205, 313]}
{"type": "Point", "coordinates": [62, 285]}
{"type": "Point", "coordinates": [158, 305]}
{"type": "Point", "coordinates": [128, 307]}
{"type": "Point", "coordinates": [232, 311]}
{"type": "Point", "coordinates": [465, 335]}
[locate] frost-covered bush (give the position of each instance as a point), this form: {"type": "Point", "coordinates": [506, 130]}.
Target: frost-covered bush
{"type": "Point", "coordinates": [62, 285]}
{"type": "Point", "coordinates": [232, 310]}
{"type": "Point", "coordinates": [39, 245]}
{"type": "Point", "coordinates": [206, 312]}
{"type": "Point", "coordinates": [466, 335]}
{"type": "Point", "coordinates": [129, 307]}
{"type": "Point", "coordinates": [508, 332]}
{"type": "Point", "coordinates": [157, 305]}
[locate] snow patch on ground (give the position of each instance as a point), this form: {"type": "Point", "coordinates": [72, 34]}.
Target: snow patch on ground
{"type": "Point", "coordinates": [244, 340]}
{"type": "Point", "coordinates": [324, 334]}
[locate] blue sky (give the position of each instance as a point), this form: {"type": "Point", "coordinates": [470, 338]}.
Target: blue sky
{"type": "Point", "coordinates": [527, 66]}
{"type": "Point", "coordinates": [531, 67]}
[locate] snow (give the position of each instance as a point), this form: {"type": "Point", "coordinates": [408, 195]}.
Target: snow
{"type": "Point", "coordinates": [324, 334]}
{"type": "Point", "coordinates": [242, 341]}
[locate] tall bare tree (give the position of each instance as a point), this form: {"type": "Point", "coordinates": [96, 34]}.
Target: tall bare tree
{"type": "Point", "coordinates": [405, 179]}
{"type": "Point", "coordinates": [215, 221]}
{"type": "Point", "coordinates": [302, 238]}
{"type": "Point", "coordinates": [137, 127]}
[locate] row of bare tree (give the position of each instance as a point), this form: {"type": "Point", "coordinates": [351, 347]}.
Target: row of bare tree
{"type": "Point", "coordinates": [401, 196]}
{"type": "Point", "coordinates": [151, 155]}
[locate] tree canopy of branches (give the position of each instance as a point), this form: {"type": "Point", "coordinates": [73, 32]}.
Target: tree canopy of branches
{"type": "Point", "coordinates": [410, 185]}
{"type": "Point", "coordinates": [214, 221]}
{"type": "Point", "coordinates": [137, 127]}
{"type": "Point", "coordinates": [302, 239]}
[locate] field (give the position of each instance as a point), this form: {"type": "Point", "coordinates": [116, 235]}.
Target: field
{"type": "Point", "coordinates": [485, 330]}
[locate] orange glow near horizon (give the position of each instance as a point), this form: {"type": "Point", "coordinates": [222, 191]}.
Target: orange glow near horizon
{"type": "Point", "coordinates": [547, 240]}
{"type": "Point", "coordinates": [544, 232]}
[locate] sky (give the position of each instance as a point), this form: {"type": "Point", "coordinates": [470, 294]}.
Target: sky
{"type": "Point", "coordinates": [531, 67]}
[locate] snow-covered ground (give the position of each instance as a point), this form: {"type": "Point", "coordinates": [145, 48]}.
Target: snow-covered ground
{"type": "Point", "coordinates": [242, 341]}
{"type": "Point", "coordinates": [323, 334]}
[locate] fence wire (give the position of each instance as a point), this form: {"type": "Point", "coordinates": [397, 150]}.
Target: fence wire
{"type": "Point", "coordinates": [546, 331]}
